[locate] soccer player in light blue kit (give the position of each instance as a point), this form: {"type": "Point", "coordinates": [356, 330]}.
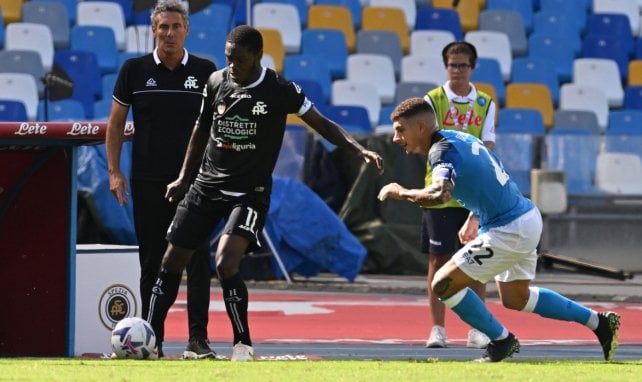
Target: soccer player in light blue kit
{"type": "Point", "coordinates": [500, 235]}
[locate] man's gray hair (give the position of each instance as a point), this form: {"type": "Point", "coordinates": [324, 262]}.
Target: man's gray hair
{"type": "Point", "coordinates": [170, 6]}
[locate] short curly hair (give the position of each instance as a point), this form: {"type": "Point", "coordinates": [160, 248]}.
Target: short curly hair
{"type": "Point", "coordinates": [246, 36]}
{"type": "Point", "coordinates": [412, 107]}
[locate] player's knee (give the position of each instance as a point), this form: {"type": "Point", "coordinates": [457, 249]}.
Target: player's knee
{"type": "Point", "coordinates": [440, 286]}
{"type": "Point", "coordinates": [175, 259]}
{"type": "Point", "coordinates": [226, 266]}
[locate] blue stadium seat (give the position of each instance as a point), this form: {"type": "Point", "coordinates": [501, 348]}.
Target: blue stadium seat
{"type": "Point", "coordinates": [573, 12]}
{"type": "Point", "coordinates": [488, 70]}
{"type": "Point", "coordinates": [108, 82]}
{"type": "Point", "coordinates": [99, 40]}
{"type": "Point", "coordinates": [313, 92]}
{"type": "Point", "coordinates": [354, 6]}
{"type": "Point", "coordinates": [625, 121]}
{"type": "Point", "coordinates": [82, 67]}
{"type": "Point", "coordinates": [102, 108]}
{"type": "Point", "coordinates": [575, 154]}
{"type": "Point", "coordinates": [11, 111]}
{"type": "Point", "coordinates": [555, 22]}
{"type": "Point", "coordinates": [611, 24]}
{"type": "Point", "coordinates": [291, 158]}
{"type": "Point", "coordinates": [516, 151]}
{"type": "Point", "coordinates": [633, 97]}
{"type": "Point", "coordinates": [2, 27]}
{"type": "Point", "coordinates": [525, 9]}
{"type": "Point", "coordinates": [333, 46]}
{"type": "Point", "coordinates": [537, 70]}
{"type": "Point", "coordinates": [354, 119]}
{"type": "Point", "coordinates": [384, 115]}
{"type": "Point", "coordinates": [608, 46]}
{"type": "Point", "coordinates": [307, 66]}
{"type": "Point", "coordinates": [63, 110]}
{"type": "Point", "coordinates": [440, 19]}
{"type": "Point", "coordinates": [520, 121]}
{"type": "Point", "coordinates": [555, 48]}
{"type": "Point", "coordinates": [216, 16]}
{"type": "Point", "coordinates": [208, 41]}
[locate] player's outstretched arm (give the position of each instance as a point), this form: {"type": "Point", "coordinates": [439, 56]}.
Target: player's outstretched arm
{"type": "Point", "coordinates": [338, 136]}
{"type": "Point", "coordinates": [440, 191]}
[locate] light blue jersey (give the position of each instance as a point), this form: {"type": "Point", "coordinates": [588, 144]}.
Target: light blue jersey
{"type": "Point", "coordinates": [480, 182]}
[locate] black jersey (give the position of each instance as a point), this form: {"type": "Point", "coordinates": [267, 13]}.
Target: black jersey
{"type": "Point", "coordinates": [246, 127]}
{"type": "Point", "coordinates": [165, 105]}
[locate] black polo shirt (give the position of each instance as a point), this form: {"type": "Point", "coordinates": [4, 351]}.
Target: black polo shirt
{"type": "Point", "coordinates": [165, 105]}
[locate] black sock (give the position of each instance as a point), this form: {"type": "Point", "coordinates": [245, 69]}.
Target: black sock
{"type": "Point", "coordinates": [236, 298]}
{"type": "Point", "coordinates": [163, 296]}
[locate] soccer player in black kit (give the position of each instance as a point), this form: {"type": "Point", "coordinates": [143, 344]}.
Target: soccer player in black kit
{"type": "Point", "coordinates": [236, 140]}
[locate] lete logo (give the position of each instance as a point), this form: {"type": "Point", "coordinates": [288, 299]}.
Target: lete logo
{"type": "Point", "coordinates": [79, 129]}
{"type": "Point", "coordinates": [27, 129]}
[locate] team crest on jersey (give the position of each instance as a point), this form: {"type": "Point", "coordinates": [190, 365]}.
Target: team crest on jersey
{"type": "Point", "coordinates": [221, 107]}
{"type": "Point", "coordinates": [481, 101]}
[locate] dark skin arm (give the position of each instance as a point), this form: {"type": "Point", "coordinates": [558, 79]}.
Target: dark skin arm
{"type": "Point", "coordinates": [339, 137]}
{"type": "Point", "coordinates": [193, 156]}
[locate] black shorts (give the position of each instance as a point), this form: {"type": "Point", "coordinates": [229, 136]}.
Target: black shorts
{"type": "Point", "coordinates": [440, 228]}
{"type": "Point", "coordinates": [198, 215]}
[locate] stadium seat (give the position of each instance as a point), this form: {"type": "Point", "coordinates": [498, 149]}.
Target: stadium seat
{"type": "Point", "coordinates": [635, 73]}
{"type": "Point", "coordinates": [139, 39]}
{"type": "Point", "coordinates": [611, 24]}
{"type": "Point", "coordinates": [330, 42]}
{"type": "Point", "coordinates": [268, 62]}
{"type": "Point", "coordinates": [11, 111]}
{"type": "Point", "coordinates": [291, 159]}
{"type": "Point", "coordinates": [602, 73]}
{"type": "Point", "coordinates": [97, 39]}
{"type": "Point", "coordinates": [210, 42]}
{"type": "Point", "coordinates": [536, 70]}
{"type": "Point", "coordinates": [626, 7]}
{"type": "Point", "coordinates": [468, 11]}
{"type": "Point", "coordinates": [282, 17]}
{"type": "Point", "coordinates": [102, 108]}
{"type": "Point", "coordinates": [129, 9]}
{"type": "Point", "coordinates": [313, 91]}
{"type": "Point", "coordinates": [555, 22]}
{"type": "Point", "coordinates": [495, 45]}
{"type": "Point", "coordinates": [423, 68]}
{"type": "Point", "coordinates": [366, 67]}
{"type": "Point", "coordinates": [488, 71]}
{"type": "Point", "coordinates": [29, 36]}
{"type": "Point", "coordinates": [71, 6]}
{"type": "Point", "coordinates": [619, 173]}
{"type": "Point", "coordinates": [633, 97]}
{"type": "Point", "coordinates": [272, 45]}
{"type": "Point", "coordinates": [410, 89]}
{"type": "Point", "coordinates": [576, 14]}
{"type": "Point", "coordinates": [524, 8]}
{"type": "Point", "coordinates": [353, 118]}
{"type": "Point", "coordinates": [306, 66]}
{"type": "Point", "coordinates": [11, 10]}
{"type": "Point", "coordinates": [301, 7]}
{"type": "Point", "coordinates": [23, 61]}
{"type": "Point", "coordinates": [54, 15]}
{"type": "Point", "coordinates": [63, 110]}
{"type": "Point", "coordinates": [353, 6]}
{"type": "Point", "coordinates": [555, 49]}
{"type": "Point", "coordinates": [333, 17]}
{"type": "Point", "coordinates": [625, 121]}
{"type": "Point", "coordinates": [2, 28]}
{"type": "Point", "coordinates": [384, 118]}
{"type": "Point", "coordinates": [215, 15]}
{"type": "Point", "coordinates": [20, 87]}
{"type": "Point", "coordinates": [516, 151]}
{"type": "Point", "coordinates": [425, 42]}
{"type": "Point", "coordinates": [531, 96]}
{"type": "Point", "coordinates": [381, 42]}
{"type": "Point", "coordinates": [389, 19]}
{"type": "Point", "coordinates": [108, 82]}
{"type": "Point", "coordinates": [508, 22]}
{"type": "Point", "coordinates": [582, 97]}
{"type": "Point", "coordinates": [409, 8]}
{"type": "Point", "coordinates": [105, 14]}
{"type": "Point", "coordinates": [576, 119]}
{"type": "Point", "coordinates": [607, 46]}
{"type": "Point", "coordinates": [346, 92]}
{"type": "Point", "coordinates": [82, 68]}
{"type": "Point", "coordinates": [439, 19]}
{"type": "Point", "coordinates": [521, 121]}
{"type": "Point", "coordinates": [575, 155]}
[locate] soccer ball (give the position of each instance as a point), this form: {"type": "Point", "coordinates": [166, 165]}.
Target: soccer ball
{"type": "Point", "coordinates": [133, 338]}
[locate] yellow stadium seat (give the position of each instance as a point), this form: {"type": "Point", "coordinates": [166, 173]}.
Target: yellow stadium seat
{"type": "Point", "coordinates": [273, 45]}
{"type": "Point", "coordinates": [635, 73]}
{"type": "Point", "coordinates": [489, 89]}
{"type": "Point", "coordinates": [468, 11]}
{"type": "Point", "coordinates": [386, 18]}
{"type": "Point", "coordinates": [11, 10]}
{"type": "Point", "coordinates": [333, 17]}
{"type": "Point", "coordinates": [526, 95]}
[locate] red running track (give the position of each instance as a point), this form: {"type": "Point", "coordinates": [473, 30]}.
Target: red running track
{"type": "Point", "coordinates": [295, 317]}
